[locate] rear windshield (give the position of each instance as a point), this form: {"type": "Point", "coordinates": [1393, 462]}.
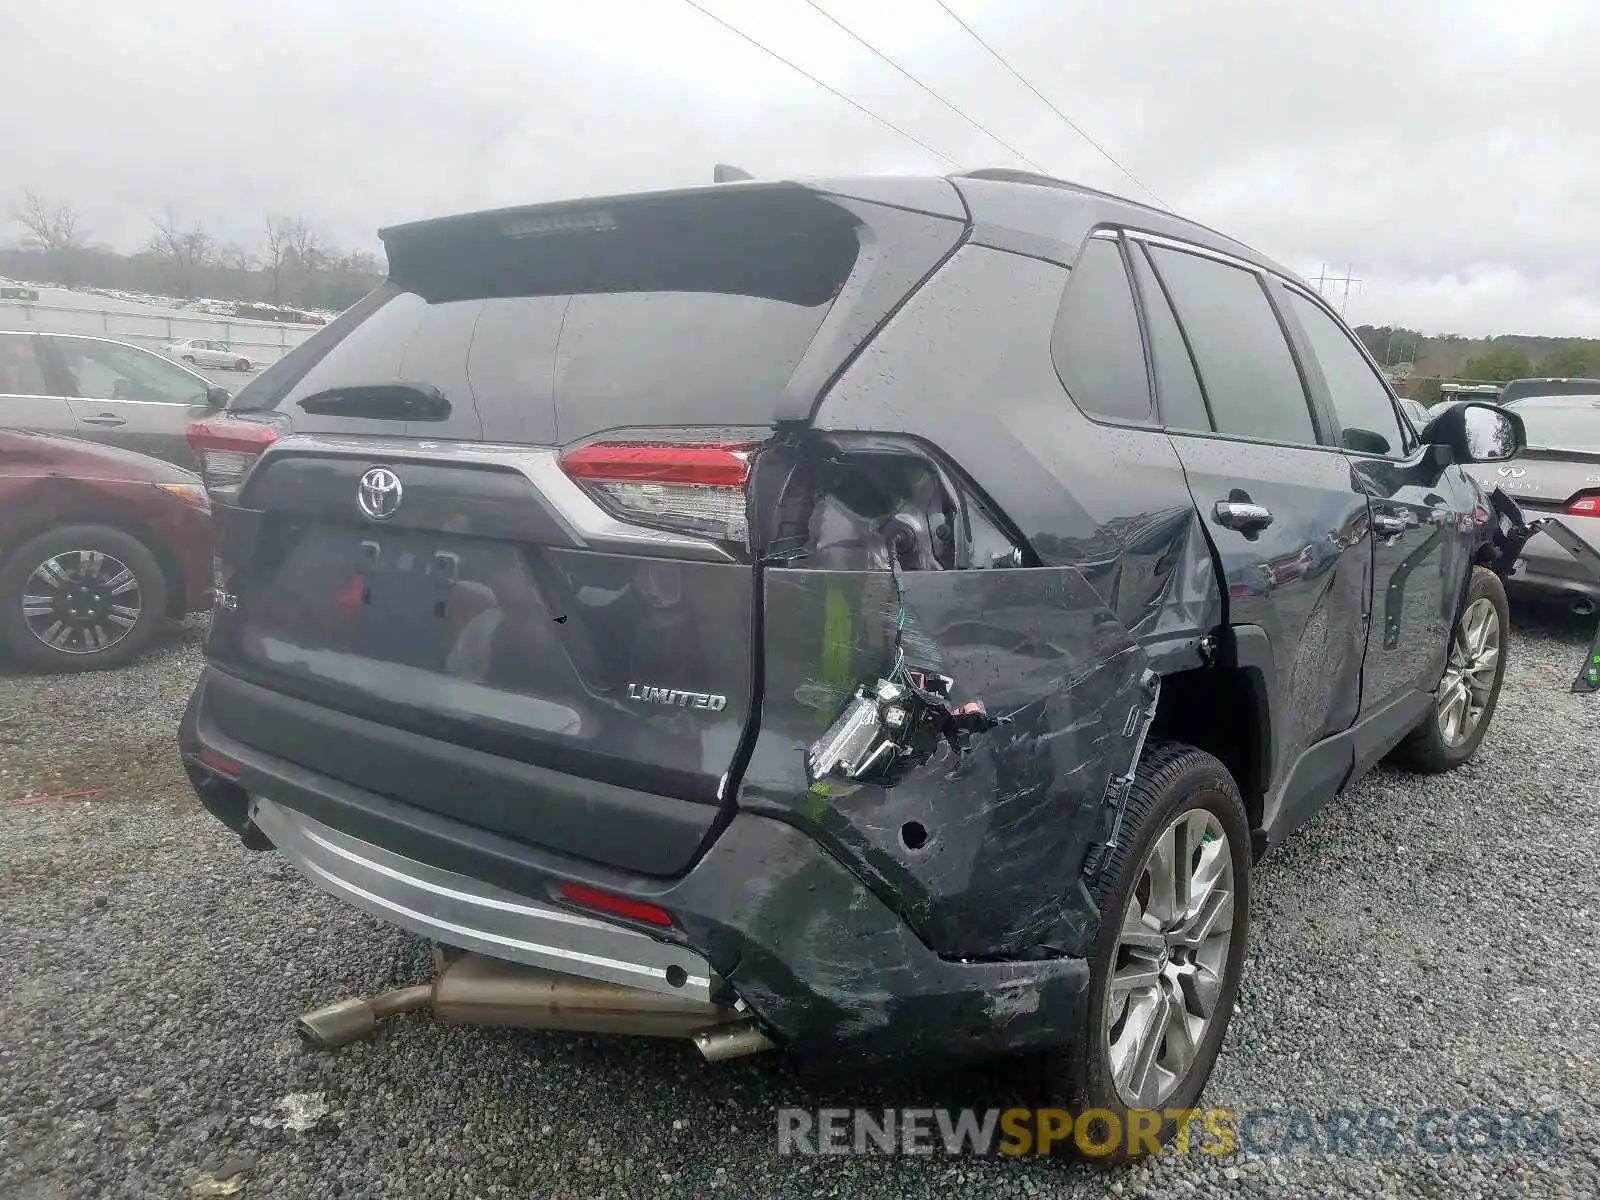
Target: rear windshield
{"type": "Point", "coordinates": [1571, 423]}
{"type": "Point", "coordinates": [680, 315]}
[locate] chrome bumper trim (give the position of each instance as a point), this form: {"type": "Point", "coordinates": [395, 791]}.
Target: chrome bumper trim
{"type": "Point", "coordinates": [463, 912]}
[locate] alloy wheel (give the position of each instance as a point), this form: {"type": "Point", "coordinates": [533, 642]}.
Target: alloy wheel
{"type": "Point", "coordinates": [1468, 683]}
{"type": "Point", "coordinates": [81, 601]}
{"type": "Point", "coordinates": [1171, 959]}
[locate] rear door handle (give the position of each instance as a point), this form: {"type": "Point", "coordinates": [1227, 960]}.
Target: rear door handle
{"type": "Point", "coordinates": [1242, 516]}
{"type": "Point", "coordinates": [104, 419]}
{"type": "Point", "coordinates": [1388, 524]}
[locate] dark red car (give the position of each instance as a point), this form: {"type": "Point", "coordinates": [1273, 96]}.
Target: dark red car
{"type": "Point", "coordinates": [97, 547]}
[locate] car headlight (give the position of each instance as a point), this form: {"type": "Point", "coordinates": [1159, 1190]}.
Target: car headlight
{"type": "Point", "coordinates": [192, 494]}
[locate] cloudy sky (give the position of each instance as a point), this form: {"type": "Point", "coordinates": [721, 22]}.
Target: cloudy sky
{"type": "Point", "coordinates": [1445, 150]}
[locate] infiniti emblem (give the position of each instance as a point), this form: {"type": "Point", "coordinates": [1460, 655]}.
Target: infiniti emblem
{"type": "Point", "coordinates": [380, 493]}
{"type": "Point", "coordinates": [1513, 472]}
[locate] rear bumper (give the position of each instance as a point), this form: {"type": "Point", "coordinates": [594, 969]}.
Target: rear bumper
{"type": "Point", "coordinates": [1547, 570]}
{"type": "Point", "coordinates": [765, 914]}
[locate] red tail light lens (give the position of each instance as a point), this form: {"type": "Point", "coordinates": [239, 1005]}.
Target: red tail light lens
{"type": "Point", "coordinates": [622, 906]}
{"type": "Point", "coordinates": [1585, 504]}
{"type": "Point", "coordinates": [689, 487]}
{"type": "Point", "coordinates": [227, 448]}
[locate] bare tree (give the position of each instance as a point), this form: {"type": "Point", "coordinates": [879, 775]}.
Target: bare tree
{"type": "Point", "coordinates": [186, 251]}
{"type": "Point", "coordinates": [56, 228]}
{"type": "Point", "coordinates": [306, 255]}
{"type": "Point", "coordinates": [275, 254]}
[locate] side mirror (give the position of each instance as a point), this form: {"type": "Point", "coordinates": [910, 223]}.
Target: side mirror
{"type": "Point", "coordinates": [1477, 431]}
{"type": "Point", "coordinates": [218, 397]}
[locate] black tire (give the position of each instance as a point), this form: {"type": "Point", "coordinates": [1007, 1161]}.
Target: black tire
{"type": "Point", "coordinates": [188, 358]}
{"type": "Point", "coordinates": [26, 646]}
{"type": "Point", "coordinates": [1173, 779]}
{"type": "Point", "coordinates": [1426, 749]}
{"type": "Point", "coordinates": [242, 365]}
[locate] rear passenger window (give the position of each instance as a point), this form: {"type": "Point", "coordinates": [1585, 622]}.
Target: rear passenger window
{"type": "Point", "coordinates": [1096, 344]}
{"type": "Point", "coordinates": [1178, 395]}
{"type": "Point", "coordinates": [1246, 369]}
{"type": "Point", "coordinates": [1361, 403]}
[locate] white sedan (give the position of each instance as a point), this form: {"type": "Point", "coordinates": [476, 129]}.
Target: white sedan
{"type": "Point", "coordinates": [208, 354]}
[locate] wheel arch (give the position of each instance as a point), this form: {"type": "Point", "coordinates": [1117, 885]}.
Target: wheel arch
{"type": "Point", "coordinates": [1224, 708]}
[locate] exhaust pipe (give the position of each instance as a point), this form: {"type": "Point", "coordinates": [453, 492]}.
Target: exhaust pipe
{"type": "Point", "coordinates": [1583, 606]}
{"type": "Point", "coordinates": [474, 989]}
{"type": "Point", "coordinates": [348, 1021]}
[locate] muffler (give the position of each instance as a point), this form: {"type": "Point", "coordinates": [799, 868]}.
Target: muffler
{"type": "Point", "coordinates": [1583, 606]}
{"type": "Point", "coordinates": [474, 989]}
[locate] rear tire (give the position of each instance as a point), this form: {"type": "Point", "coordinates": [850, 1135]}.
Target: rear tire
{"type": "Point", "coordinates": [242, 365]}
{"type": "Point", "coordinates": [1470, 690]}
{"type": "Point", "coordinates": [80, 598]}
{"type": "Point", "coordinates": [1168, 967]}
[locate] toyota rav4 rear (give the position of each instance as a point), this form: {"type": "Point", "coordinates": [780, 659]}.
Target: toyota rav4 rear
{"type": "Point", "coordinates": [717, 594]}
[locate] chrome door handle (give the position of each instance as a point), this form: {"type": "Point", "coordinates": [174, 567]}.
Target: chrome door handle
{"type": "Point", "coordinates": [104, 419]}
{"type": "Point", "coordinates": [1242, 516]}
{"type": "Point", "coordinates": [1393, 524]}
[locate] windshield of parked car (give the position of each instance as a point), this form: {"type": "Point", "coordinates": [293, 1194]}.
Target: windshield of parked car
{"type": "Point", "coordinates": [1564, 423]}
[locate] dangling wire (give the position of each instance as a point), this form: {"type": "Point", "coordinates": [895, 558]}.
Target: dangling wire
{"type": "Point", "coordinates": [899, 617]}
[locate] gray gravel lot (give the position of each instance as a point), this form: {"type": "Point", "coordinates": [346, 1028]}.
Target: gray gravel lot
{"type": "Point", "coordinates": [1423, 944]}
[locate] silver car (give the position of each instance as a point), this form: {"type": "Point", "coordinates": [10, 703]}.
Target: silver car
{"type": "Point", "coordinates": [1557, 475]}
{"type": "Point", "coordinates": [204, 353]}
{"type": "Point", "coordinates": [103, 391]}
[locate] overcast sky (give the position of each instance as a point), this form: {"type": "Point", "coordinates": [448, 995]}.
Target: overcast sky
{"type": "Point", "coordinates": [1446, 150]}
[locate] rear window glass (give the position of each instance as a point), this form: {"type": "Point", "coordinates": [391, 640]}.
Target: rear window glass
{"type": "Point", "coordinates": [678, 319]}
{"type": "Point", "coordinates": [1571, 423]}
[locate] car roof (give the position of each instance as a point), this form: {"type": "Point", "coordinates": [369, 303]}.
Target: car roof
{"type": "Point", "coordinates": [1522, 389]}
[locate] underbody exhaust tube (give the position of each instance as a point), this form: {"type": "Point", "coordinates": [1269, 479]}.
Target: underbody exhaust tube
{"type": "Point", "coordinates": [1583, 606]}
{"type": "Point", "coordinates": [474, 989]}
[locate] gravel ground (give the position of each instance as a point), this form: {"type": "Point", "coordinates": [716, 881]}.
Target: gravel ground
{"type": "Point", "coordinates": [1423, 944]}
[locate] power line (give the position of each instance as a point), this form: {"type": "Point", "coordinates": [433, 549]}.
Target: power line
{"type": "Point", "coordinates": [1071, 124]}
{"type": "Point", "coordinates": [988, 133]}
{"type": "Point", "coordinates": [911, 137]}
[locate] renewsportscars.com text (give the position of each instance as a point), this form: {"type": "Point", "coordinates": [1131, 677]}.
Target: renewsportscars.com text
{"type": "Point", "coordinates": [1353, 1132]}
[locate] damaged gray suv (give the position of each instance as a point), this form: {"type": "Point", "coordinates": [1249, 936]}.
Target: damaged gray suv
{"type": "Point", "coordinates": [878, 618]}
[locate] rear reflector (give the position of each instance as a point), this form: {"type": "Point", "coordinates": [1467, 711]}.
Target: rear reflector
{"type": "Point", "coordinates": [227, 448]}
{"type": "Point", "coordinates": [690, 487]}
{"type": "Point", "coordinates": [1586, 504]}
{"type": "Point", "coordinates": [622, 906]}
{"type": "Point", "coordinates": [220, 763]}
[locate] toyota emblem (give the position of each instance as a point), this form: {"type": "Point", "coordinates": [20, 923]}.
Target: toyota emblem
{"type": "Point", "coordinates": [380, 493]}
{"type": "Point", "coordinates": [1513, 472]}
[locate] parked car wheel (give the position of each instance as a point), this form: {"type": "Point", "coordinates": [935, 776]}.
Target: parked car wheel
{"type": "Point", "coordinates": [242, 365]}
{"type": "Point", "coordinates": [188, 358]}
{"type": "Point", "coordinates": [1175, 897]}
{"type": "Point", "coordinates": [80, 598]}
{"type": "Point", "coordinates": [1454, 727]}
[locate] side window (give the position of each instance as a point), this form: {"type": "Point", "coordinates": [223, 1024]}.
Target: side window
{"type": "Point", "coordinates": [111, 371]}
{"type": "Point", "coordinates": [1361, 402]}
{"type": "Point", "coordinates": [1178, 395]}
{"type": "Point", "coordinates": [1246, 369]}
{"type": "Point", "coordinates": [20, 372]}
{"type": "Point", "coordinates": [1096, 345]}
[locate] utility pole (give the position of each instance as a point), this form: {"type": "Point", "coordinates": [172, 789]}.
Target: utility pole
{"type": "Point", "coordinates": [1323, 278]}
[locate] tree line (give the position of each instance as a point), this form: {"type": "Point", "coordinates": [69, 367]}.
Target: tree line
{"type": "Point", "coordinates": [291, 263]}
{"type": "Point", "coordinates": [1487, 360]}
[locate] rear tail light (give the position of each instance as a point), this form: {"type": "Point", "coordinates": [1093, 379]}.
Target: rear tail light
{"type": "Point", "coordinates": [227, 448]}
{"type": "Point", "coordinates": [1584, 504]}
{"type": "Point", "coordinates": [694, 487]}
